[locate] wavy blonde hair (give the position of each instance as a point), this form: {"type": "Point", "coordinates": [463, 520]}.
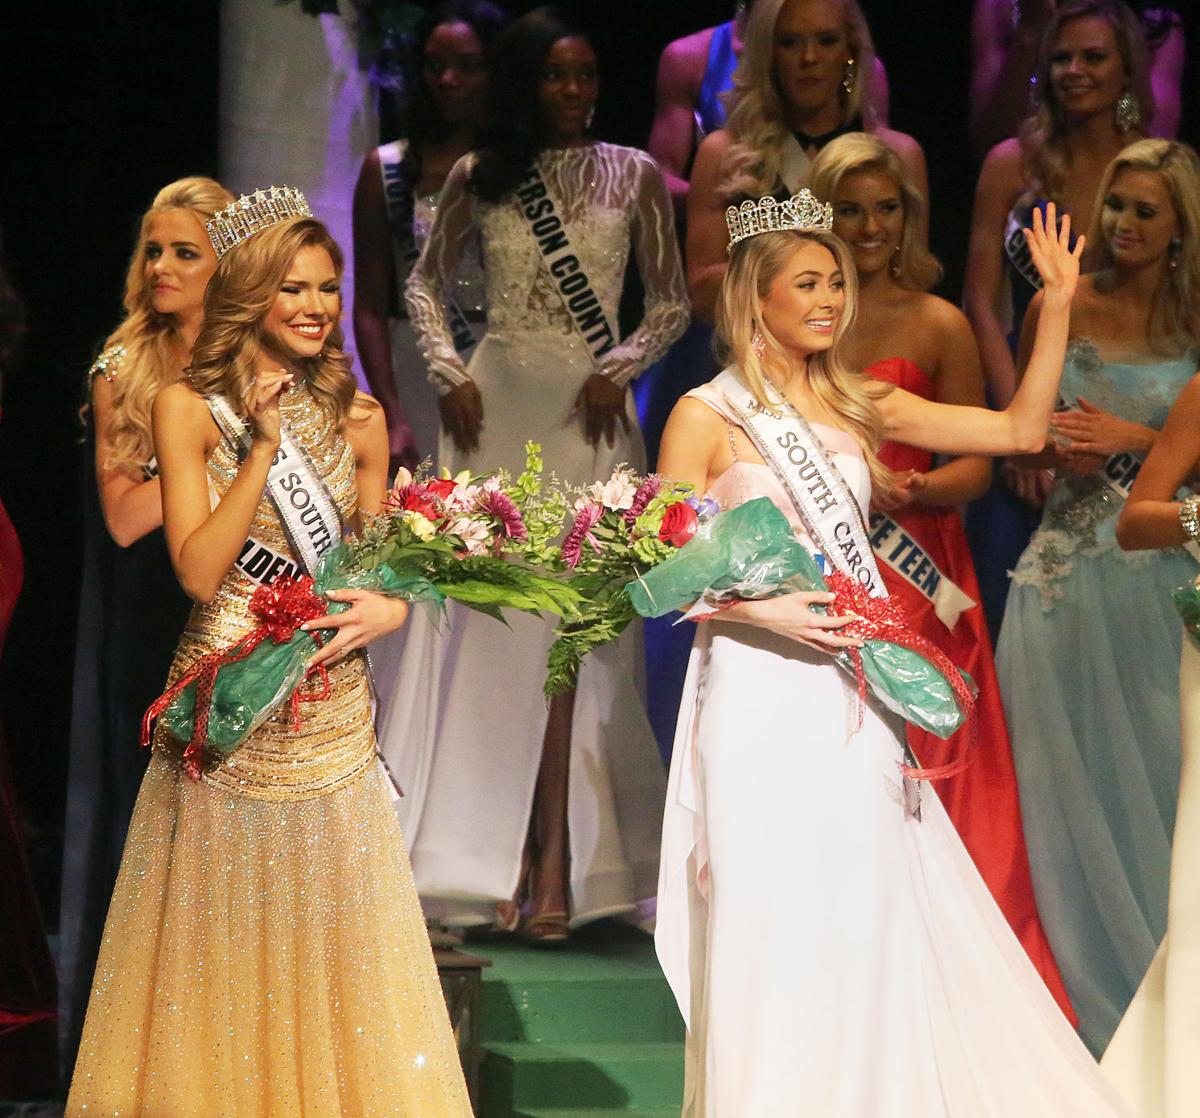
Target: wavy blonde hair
{"type": "Point", "coordinates": [146, 334]}
{"type": "Point", "coordinates": [753, 266]}
{"type": "Point", "coordinates": [241, 292]}
{"type": "Point", "coordinates": [915, 267]}
{"type": "Point", "coordinates": [1175, 309]}
{"type": "Point", "coordinates": [1045, 151]}
{"type": "Point", "coordinates": [757, 124]}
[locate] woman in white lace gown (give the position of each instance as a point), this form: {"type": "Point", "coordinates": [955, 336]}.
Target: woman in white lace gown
{"type": "Point", "coordinates": [831, 945]}
{"type": "Point", "coordinates": [483, 765]}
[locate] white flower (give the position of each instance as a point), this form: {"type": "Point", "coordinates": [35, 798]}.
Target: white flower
{"type": "Point", "coordinates": [474, 533]}
{"type": "Point", "coordinates": [403, 477]}
{"type": "Point", "coordinates": [616, 493]}
{"type": "Point", "coordinates": [422, 527]}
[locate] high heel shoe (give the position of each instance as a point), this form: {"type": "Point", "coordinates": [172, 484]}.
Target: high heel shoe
{"type": "Point", "coordinates": [546, 929]}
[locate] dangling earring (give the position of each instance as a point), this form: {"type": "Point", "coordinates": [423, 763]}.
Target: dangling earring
{"type": "Point", "coordinates": [758, 344]}
{"type": "Point", "coordinates": [1174, 249]}
{"type": "Point", "coordinates": [1129, 112]}
{"type": "Point", "coordinates": [849, 74]}
{"type": "Point", "coordinates": [894, 267]}
{"type": "Point", "coordinates": [587, 124]}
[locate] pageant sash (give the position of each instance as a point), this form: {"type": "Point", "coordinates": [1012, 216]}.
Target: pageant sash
{"type": "Point", "coordinates": [306, 509]}
{"type": "Point", "coordinates": [816, 486]}
{"type": "Point", "coordinates": [1120, 470]}
{"type": "Point", "coordinates": [398, 197]}
{"type": "Point", "coordinates": [904, 554]}
{"type": "Point", "coordinates": [543, 217]}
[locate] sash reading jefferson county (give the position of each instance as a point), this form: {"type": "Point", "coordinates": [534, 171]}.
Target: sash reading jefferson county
{"type": "Point", "coordinates": [398, 197]}
{"type": "Point", "coordinates": [543, 216]}
{"type": "Point", "coordinates": [816, 486]}
{"type": "Point", "coordinates": [306, 509]}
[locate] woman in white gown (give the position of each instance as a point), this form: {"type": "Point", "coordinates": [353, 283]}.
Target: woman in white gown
{"type": "Point", "coordinates": [483, 765]}
{"type": "Point", "coordinates": [832, 947]}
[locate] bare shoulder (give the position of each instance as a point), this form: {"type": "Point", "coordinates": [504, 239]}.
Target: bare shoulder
{"type": "Point", "coordinates": [900, 142]}
{"type": "Point", "coordinates": [714, 145]}
{"type": "Point", "coordinates": [940, 315]}
{"type": "Point", "coordinates": [1003, 163]}
{"type": "Point", "coordinates": [365, 411]}
{"type": "Point", "coordinates": [683, 60]}
{"type": "Point", "coordinates": [179, 403]}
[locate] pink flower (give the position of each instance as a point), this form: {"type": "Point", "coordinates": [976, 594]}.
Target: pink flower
{"type": "Point", "coordinates": [646, 492]}
{"type": "Point", "coordinates": [581, 529]}
{"type": "Point", "coordinates": [617, 493]}
{"type": "Point", "coordinates": [500, 505]}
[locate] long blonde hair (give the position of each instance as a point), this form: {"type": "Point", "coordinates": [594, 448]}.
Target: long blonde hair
{"type": "Point", "coordinates": [241, 292]}
{"type": "Point", "coordinates": [1175, 309]}
{"type": "Point", "coordinates": [753, 266]}
{"type": "Point", "coordinates": [914, 266]}
{"type": "Point", "coordinates": [1045, 152]}
{"type": "Point", "coordinates": [146, 334]}
{"type": "Point", "coordinates": [757, 122]}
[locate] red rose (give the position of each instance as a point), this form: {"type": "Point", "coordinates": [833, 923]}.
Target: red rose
{"type": "Point", "coordinates": [441, 487]}
{"type": "Point", "coordinates": [418, 499]}
{"type": "Point", "coordinates": [679, 524]}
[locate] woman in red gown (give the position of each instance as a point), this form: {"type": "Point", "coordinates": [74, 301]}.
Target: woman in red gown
{"type": "Point", "coordinates": [27, 993]}
{"type": "Point", "coordinates": [907, 337]}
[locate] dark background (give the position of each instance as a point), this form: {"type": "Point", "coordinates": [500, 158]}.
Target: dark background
{"type": "Point", "coordinates": [107, 102]}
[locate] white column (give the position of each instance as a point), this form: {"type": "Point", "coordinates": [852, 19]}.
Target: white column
{"type": "Point", "coordinates": [296, 109]}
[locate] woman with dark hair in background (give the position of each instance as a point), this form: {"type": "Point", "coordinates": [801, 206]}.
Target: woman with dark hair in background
{"type": "Point", "coordinates": [1005, 38]}
{"type": "Point", "coordinates": [395, 203]}
{"type": "Point", "coordinates": [506, 802]}
{"type": "Point", "coordinates": [27, 1048]}
{"type": "Point", "coordinates": [131, 607]}
{"type": "Point", "coordinates": [1093, 95]}
{"type": "Point", "coordinates": [264, 951]}
{"type": "Point", "coordinates": [908, 337]}
{"type": "Point", "coordinates": [1089, 651]}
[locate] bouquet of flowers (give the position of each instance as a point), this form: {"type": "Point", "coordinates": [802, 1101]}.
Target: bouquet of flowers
{"type": "Point", "coordinates": [638, 547]}
{"type": "Point", "coordinates": [1187, 605]}
{"type": "Point", "coordinates": [476, 540]}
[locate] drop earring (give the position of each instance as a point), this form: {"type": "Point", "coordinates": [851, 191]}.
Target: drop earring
{"type": "Point", "coordinates": [1174, 249]}
{"type": "Point", "coordinates": [849, 76]}
{"type": "Point", "coordinates": [894, 266]}
{"type": "Point", "coordinates": [1128, 112]}
{"type": "Point", "coordinates": [758, 344]}
{"type": "Point", "coordinates": [587, 124]}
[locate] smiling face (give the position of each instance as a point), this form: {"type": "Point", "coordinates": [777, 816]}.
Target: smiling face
{"type": "Point", "coordinates": [810, 54]}
{"type": "Point", "coordinates": [805, 301]}
{"type": "Point", "coordinates": [1138, 218]}
{"type": "Point", "coordinates": [177, 262]}
{"type": "Point", "coordinates": [1086, 68]}
{"type": "Point", "coordinates": [454, 73]}
{"type": "Point", "coordinates": [306, 308]}
{"type": "Point", "coordinates": [868, 214]}
{"type": "Point", "coordinates": [567, 89]}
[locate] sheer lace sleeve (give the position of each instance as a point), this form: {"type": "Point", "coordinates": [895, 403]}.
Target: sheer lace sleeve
{"type": "Point", "coordinates": [657, 251]}
{"type": "Point", "coordinates": [433, 275]}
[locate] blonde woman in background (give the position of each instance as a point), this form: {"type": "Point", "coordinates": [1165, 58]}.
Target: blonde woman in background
{"type": "Point", "coordinates": [801, 82]}
{"type": "Point", "coordinates": [907, 337]}
{"type": "Point", "coordinates": [1089, 649]}
{"type": "Point", "coordinates": [131, 607]}
{"type": "Point", "coordinates": [1093, 96]}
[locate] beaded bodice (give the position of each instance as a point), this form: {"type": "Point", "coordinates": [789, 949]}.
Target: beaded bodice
{"type": "Point", "coordinates": [468, 285]}
{"type": "Point", "coordinates": [1081, 512]}
{"type": "Point", "coordinates": [612, 200]}
{"type": "Point", "coordinates": [335, 742]}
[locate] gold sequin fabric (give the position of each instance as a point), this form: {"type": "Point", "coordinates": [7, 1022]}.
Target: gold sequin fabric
{"type": "Point", "coordinates": [265, 955]}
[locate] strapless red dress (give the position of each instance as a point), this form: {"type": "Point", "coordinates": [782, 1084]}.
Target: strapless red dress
{"type": "Point", "coordinates": [982, 800]}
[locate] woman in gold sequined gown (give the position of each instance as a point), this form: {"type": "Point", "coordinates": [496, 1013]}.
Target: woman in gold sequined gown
{"type": "Point", "coordinates": [265, 953]}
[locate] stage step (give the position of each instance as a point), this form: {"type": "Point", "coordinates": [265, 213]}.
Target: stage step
{"type": "Point", "coordinates": [520, 1075]}
{"type": "Point", "coordinates": [590, 1030]}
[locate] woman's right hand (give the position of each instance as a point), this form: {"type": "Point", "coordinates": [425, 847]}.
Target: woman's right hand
{"type": "Point", "coordinates": [1057, 261]}
{"type": "Point", "coordinates": [792, 616]}
{"type": "Point", "coordinates": [262, 405]}
{"type": "Point", "coordinates": [462, 415]}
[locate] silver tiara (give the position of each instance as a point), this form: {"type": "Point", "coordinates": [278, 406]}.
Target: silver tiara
{"type": "Point", "coordinates": [252, 213]}
{"type": "Point", "coordinates": [769, 215]}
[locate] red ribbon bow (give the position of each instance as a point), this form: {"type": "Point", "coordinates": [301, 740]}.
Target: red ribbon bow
{"type": "Point", "coordinates": [281, 609]}
{"type": "Point", "coordinates": [883, 619]}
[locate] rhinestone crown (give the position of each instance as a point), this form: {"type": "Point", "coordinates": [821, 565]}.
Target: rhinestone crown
{"type": "Point", "coordinates": [252, 213]}
{"type": "Point", "coordinates": [769, 215]}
